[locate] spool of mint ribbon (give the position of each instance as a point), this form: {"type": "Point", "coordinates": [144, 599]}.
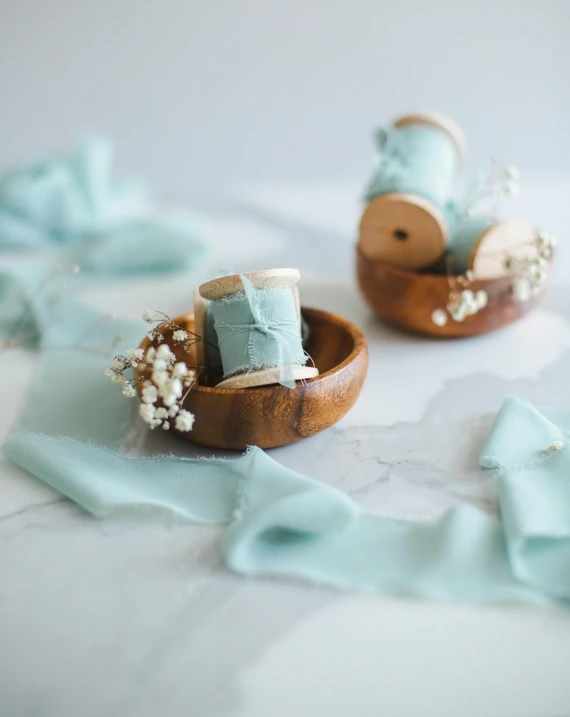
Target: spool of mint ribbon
{"type": "Point", "coordinates": [257, 329]}
{"type": "Point", "coordinates": [404, 221]}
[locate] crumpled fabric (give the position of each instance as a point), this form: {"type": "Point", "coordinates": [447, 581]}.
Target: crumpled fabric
{"type": "Point", "coordinates": [74, 206]}
{"type": "Point", "coordinates": [288, 525]}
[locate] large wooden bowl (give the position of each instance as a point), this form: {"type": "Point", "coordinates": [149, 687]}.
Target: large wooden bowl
{"type": "Point", "coordinates": [272, 416]}
{"type": "Point", "coordinates": [408, 300]}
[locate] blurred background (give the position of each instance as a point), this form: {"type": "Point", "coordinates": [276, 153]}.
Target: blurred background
{"type": "Point", "coordinates": [206, 94]}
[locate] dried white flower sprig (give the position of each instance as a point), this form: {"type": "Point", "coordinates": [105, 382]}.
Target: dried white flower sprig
{"type": "Point", "coordinates": [164, 322]}
{"type": "Point", "coordinates": [462, 302]}
{"type": "Point", "coordinates": [503, 181]}
{"type": "Point", "coordinates": [500, 182]}
{"type": "Point", "coordinates": [164, 393]}
{"type": "Point", "coordinates": [532, 272]}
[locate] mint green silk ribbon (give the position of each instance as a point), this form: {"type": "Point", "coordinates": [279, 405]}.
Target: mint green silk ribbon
{"type": "Point", "coordinates": [286, 524]}
{"type": "Point", "coordinates": [258, 329]}
{"type": "Point", "coordinates": [415, 159]}
{"type": "Point", "coordinates": [73, 205]}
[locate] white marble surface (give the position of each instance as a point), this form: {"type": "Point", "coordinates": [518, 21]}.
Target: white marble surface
{"type": "Point", "coordinates": [131, 619]}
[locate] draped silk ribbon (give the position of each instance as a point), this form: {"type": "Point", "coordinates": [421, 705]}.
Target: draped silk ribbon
{"type": "Point", "coordinates": [284, 524]}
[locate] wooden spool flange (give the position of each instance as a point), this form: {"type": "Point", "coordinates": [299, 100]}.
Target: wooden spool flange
{"type": "Point", "coordinates": [509, 238]}
{"type": "Point", "coordinates": [402, 230]}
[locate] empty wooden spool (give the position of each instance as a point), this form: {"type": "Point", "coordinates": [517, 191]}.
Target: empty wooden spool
{"type": "Point", "coordinates": [270, 416]}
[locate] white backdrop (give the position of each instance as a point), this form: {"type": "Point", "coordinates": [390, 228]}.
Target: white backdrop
{"type": "Point", "coordinates": [202, 93]}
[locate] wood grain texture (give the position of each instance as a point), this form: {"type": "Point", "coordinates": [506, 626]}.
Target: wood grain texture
{"type": "Point", "coordinates": [263, 279]}
{"type": "Point", "coordinates": [408, 299]}
{"type": "Point", "coordinates": [267, 377]}
{"type": "Point", "coordinates": [402, 230]}
{"type": "Point", "coordinates": [272, 416]}
{"type": "Point", "coordinates": [509, 237]}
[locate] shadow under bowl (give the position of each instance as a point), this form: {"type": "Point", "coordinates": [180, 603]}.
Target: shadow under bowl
{"type": "Point", "coordinates": [271, 416]}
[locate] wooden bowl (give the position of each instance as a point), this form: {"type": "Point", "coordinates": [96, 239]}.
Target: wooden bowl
{"type": "Point", "coordinates": [408, 300]}
{"type": "Point", "coordinates": [271, 416]}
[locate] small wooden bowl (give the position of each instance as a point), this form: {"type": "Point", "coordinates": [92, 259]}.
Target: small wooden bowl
{"type": "Point", "coordinates": [271, 416]}
{"type": "Point", "coordinates": [408, 299]}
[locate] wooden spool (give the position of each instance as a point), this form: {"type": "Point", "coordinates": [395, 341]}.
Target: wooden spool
{"type": "Point", "coordinates": [403, 229]}
{"type": "Point", "coordinates": [264, 279]}
{"type": "Point", "coordinates": [511, 237]}
{"type": "Point", "coordinates": [271, 416]}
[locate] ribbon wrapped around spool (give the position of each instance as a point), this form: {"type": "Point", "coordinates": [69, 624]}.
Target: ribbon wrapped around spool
{"type": "Point", "coordinates": [404, 221]}
{"type": "Point", "coordinates": [483, 245]}
{"type": "Point", "coordinates": [256, 321]}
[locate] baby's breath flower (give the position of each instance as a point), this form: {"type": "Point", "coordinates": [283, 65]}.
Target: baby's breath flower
{"type": "Point", "coordinates": [146, 412]}
{"type": "Point", "coordinates": [511, 189]}
{"type": "Point", "coordinates": [555, 446]}
{"type": "Point", "coordinates": [439, 317]}
{"type": "Point", "coordinates": [164, 352]}
{"type": "Point", "coordinates": [180, 335]}
{"type": "Point", "coordinates": [135, 354]}
{"type": "Point", "coordinates": [170, 391]}
{"type": "Point", "coordinates": [149, 394]}
{"type": "Point", "coordinates": [512, 173]}
{"type": "Point", "coordinates": [115, 377]}
{"type": "Point", "coordinates": [482, 298]}
{"type": "Point", "coordinates": [180, 369]}
{"type": "Point", "coordinates": [160, 364]}
{"type": "Point", "coordinates": [160, 377]}
{"type": "Point", "coordinates": [522, 289]}
{"type": "Point", "coordinates": [184, 421]}
{"type": "Point", "coordinates": [167, 382]}
{"type": "Point", "coordinates": [150, 315]}
{"type": "Point", "coordinates": [459, 313]}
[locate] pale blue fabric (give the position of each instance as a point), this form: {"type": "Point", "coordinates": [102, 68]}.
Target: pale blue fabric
{"type": "Point", "coordinates": [463, 232]}
{"type": "Point", "coordinates": [66, 198]}
{"type": "Point", "coordinates": [534, 493]}
{"type": "Point", "coordinates": [258, 329]}
{"type": "Point", "coordinates": [74, 206]}
{"type": "Point", "coordinates": [288, 525]}
{"type": "Point", "coordinates": [415, 159]}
